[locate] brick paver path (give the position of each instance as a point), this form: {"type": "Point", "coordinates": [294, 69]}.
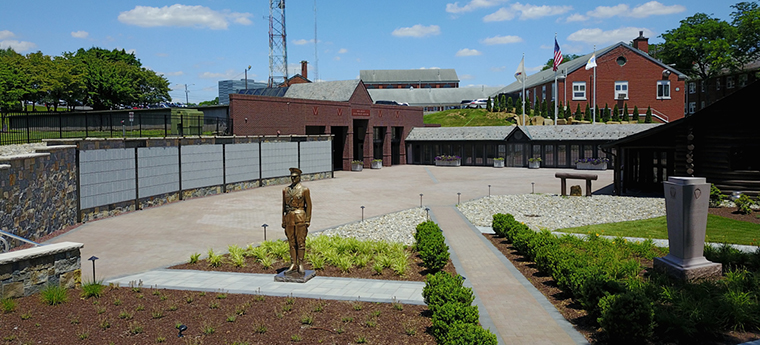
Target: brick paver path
{"type": "Point", "coordinates": [516, 314]}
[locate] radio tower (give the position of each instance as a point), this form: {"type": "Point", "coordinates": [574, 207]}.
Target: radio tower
{"type": "Point", "coordinates": [278, 49]}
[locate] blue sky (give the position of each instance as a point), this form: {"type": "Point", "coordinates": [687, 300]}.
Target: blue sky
{"type": "Point", "coordinates": [199, 43]}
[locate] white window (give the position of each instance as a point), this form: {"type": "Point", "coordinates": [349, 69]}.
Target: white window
{"type": "Point", "coordinates": [730, 82]}
{"type": "Point", "coordinates": [717, 84]}
{"type": "Point", "coordinates": [692, 87]}
{"type": "Point", "coordinates": [543, 92]}
{"type": "Point", "coordinates": [579, 90]}
{"type": "Point", "coordinates": [663, 89]}
{"type": "Point", "coordinates": [692, 107]}
{"type": "Point", "coordinates": [621, 90]}
{"type": "Point", "coordinates": [742, 80]}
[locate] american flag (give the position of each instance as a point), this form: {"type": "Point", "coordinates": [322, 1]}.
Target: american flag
{"type": "Point", "coordinates": [557, 55]}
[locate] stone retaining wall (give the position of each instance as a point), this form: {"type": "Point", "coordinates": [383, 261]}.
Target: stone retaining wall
{"type": "Point", "coordinates": [27, 271]}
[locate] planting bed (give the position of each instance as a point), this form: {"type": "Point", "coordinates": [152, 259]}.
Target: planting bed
{"type": "Point", "coordinates": [123, 315]}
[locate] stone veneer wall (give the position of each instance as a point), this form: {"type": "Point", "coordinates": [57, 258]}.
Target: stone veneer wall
{"type": "Point", "coordinates": [27, 271]}
{"type": "Point", "coordinates": [39, 192]}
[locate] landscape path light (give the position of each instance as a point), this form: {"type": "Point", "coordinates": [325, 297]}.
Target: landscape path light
{"type": "Point", "coordinates": [93, 258]}
{"type": "Point", "coordinates": [458, 195]}
{"type": "Point", "coordinates": [427, 213]}
{"type": "Point", "coordinates": [362, 213]}
{"type": "Point", "coordinates": [532, 188]}
{"type": "Point", "coordinates": [265, 230]}
{"type": "Point", "coordinates": [181, 329]}
{"type": "Point", "coordinates": [420, 199]}
{"type": "Point", "coordinates": [489, 190]}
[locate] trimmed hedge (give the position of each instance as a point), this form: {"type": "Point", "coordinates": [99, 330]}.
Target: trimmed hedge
{"type": "Point", "coordinates": [431, 245]}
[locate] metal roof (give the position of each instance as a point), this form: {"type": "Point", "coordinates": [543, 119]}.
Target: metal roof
{"type": "Point", "coordinates": [339, 91]}
{"type": "Point", "coordinates": [585, 131]}
{"type": "Point", "coordinates": [387, 76]}
{"type": "Point", "coordinates": [459, 133]}
{"type": "Point", "coordinates": [571, 66]}
{"type": "Point", "coordinates": [433, 96]}
{"type": "Point", "coordinates": [269, 91]}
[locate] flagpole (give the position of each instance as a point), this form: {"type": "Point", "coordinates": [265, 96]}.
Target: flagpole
{"type": "Point", "coordinates": [522, 78]}
{"type": "Point", "coordinates": [555, 87]}
{"type": "Point", "coordinates": [594, 119]}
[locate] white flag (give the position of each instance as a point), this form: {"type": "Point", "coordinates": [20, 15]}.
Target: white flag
{"type": "Point", "coordinates": [591, 62]}
{"type": "Point", "coordinates": [520, 73]}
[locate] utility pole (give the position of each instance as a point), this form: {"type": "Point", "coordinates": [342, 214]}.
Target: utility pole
{"type": "Point", "coordinates": [187, 97]}
{"type": "Point", "coordinates": [246, 77]}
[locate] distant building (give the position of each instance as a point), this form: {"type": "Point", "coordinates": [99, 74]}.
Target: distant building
{"type": "Point", "coordinates": [226, 87]}
{"type": "Point", "coordinates": [625, 75]}
{"type": "Point", "coordinates": [433, 100]}
{"type": "Point", "coordinates": [298, 78]}
{"type": "Point", "coordinates": [407, 78]}
{"type": "Point", "coordinates": [702, 93]}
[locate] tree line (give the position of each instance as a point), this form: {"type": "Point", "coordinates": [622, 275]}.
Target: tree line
{"type": "Point", "coordinates": [95, 77]}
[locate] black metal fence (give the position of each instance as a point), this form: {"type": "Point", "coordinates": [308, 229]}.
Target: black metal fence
{"type": "Point", "coordinates": [21, 128]}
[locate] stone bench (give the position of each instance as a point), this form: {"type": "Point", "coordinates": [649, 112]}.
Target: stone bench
{"type": "Point", "coordinates": [565, 176]}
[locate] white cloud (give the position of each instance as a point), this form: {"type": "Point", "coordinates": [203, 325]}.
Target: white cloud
{"type": "Point", "coordinates": [18, 46]}
{"type": "Point", "coordinates": [498, 69]}
{"type": "Point", "coordinates": [342, 51]}
{"type": "Point", "coordinates": [502, 40]}
{"type": "Point", "coordinates": [598, 36]}
{"type": "Point", "coordinates": [526, 11]}
{"type": "Point", "coordinates": [654, 8]}
{"type": "Point", "coordinates": [534, 69]}
{"type": "Point", "coordinates": [535, 12]}
{"type": "Point", "coordinates": [337, 58]}
{"type": "Point", "coordinates": [229, 74]}
{"type": "Point", "coordinates": [417, 31]}
{"type": "Point", "coordinates": [471, 6]}
{"type": "Point", "coordinates": [576, 18]}
{"type": "Point", "coordinates": [468, 52]}
{"type": "Point", "coordinates": [183, 16]}
{"type": "Point", "coordinates": [499, 16]}
{"type": "Point", "coordinates": [131, 51]}
{"type": "Point", "coordinates": [6, 34]}
{"type": "Point", "coordinates": [302, 42]}
{"type": "Point", "coordinates": [173, 74]}
{"type": "Point", "coordinates": [80, 34]}
{"type": "Point", "coordinates": [466, 77]}
{"type": "Point", "coordinates": [545, 46]}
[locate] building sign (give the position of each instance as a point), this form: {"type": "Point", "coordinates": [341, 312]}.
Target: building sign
{"type": "Point", "coordinates": [359, 112]}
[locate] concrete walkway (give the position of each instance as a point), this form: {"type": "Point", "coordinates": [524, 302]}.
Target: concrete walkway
{"type": "Point", "coordinates": [139, 245]}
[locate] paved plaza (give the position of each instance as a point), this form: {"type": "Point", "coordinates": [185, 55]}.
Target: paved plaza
{"type": "Point", "coordinates": [139, 246]}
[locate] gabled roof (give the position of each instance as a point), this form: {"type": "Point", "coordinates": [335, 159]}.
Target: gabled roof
{"type": "Point", "coordinates": [459, 133]}
{"type": "Point", "coordinates": [573, 65]}
{"type": "Point", "coordinates": [430, 96]}
{"type": "Point", "coordinates": [389, 76]}
{"type": "Point", "coordinates": [339, 91]}
{"type": "Point", "coordinates": [585, 131]}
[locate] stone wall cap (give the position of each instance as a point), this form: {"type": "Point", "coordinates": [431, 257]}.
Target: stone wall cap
{"type": "Point", "coordinates": [22, 156]}
{"type": "Point", "coordinates": [35, 252]}
{"type": "Point", "coordinates": [55, 147]}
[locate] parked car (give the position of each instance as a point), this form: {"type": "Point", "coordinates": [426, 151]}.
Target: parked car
{"type": "Point", "coordinates": [478, 103]}
{"type": "Point", "coordinates": [389, 102]}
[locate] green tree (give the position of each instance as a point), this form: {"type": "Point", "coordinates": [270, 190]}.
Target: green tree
{"type": "Point", "coordinates": [519, 106]}
{"type": "Point", "coordinates": [700, 47]}
{"type": "Point", "coordinates": [568, 111]}
{"type": "Point", "coordinates": [510, 105]}
{"type": "Point", "coordinates": [565, 58]}
{"type": "Point", "coordinates": [544, 110]}
{"type": "Point", "coordinates": [596, 116]}
{"type": "Point", "coordinates": [648, 117]}
{"type": "Point", "coordinates": [13, 79]}
{"type": "Point", "coordinates": [588, 113]}
{"type": "Point", "coordinates": [616, 113]}
{"type": "Point", "coordinates": [207, 103]}
{"type": "Point", "coordinates": [503, 102]}
{"type": "Point", "coordinates": [489, 106]}
{"type": "Point", "coordinates": [560, 111]}
{"type": "Point", "coordinates": [578, 115]}
{"type": "Point", "coordinates": [606, 113]}
{"type": "Point", "coordinates": [746, 20]}
{"type": "Point", "coordinates": [624, 114]}
{"type": "Point", "coordinates": [527, 107]}
{"type": "Point", "coordinates": [635, 115]}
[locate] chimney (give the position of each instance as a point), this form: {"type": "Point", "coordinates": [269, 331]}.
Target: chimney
{"type": "Point", "coordinates": [641, 42]}
{"type": "Point", "coordinates": [304, 69]}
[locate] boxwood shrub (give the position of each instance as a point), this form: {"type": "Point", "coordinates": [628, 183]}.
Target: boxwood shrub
{"type": "Point", "coordinates": [431, 245]}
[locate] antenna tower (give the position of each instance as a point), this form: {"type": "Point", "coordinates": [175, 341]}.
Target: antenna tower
{"type": "Point", "coordinates": [278, 49]}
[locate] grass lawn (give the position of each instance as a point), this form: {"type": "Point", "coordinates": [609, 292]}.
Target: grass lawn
{"type": "Point", "coordinates": [719, 230]}
{"type": "Point", "coordinates": [467, 118]}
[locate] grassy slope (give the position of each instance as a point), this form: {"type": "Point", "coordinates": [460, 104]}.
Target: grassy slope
{"type": "Point", "coordinates": [467, 118]}
{"type": "Point", "coordinates": [719, 229]}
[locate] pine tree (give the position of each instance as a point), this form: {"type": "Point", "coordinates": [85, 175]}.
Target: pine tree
{"type": "Point", "coordinates": [510, 105]}
{"type": "Point", "coordinates": [624, 114]}
{"type": "Point", "coordinates": [568, 111]}
{"type": "Point", "coordinates": [648, 117]}
{"type": "Point", "coordinates": [561, 111]}
{"type": "Point", "coordinates": [588, 113]}
{"type": "Point", "coordinates": [527, 107]}
{"type": "Point", "coordinates": [551, 109]}
{"type": "Point", "coordinates": [544, 111]}
{"type": "Point", "coordinates": [635, 115]}
{"type": "Point", "coordinates": [597, 117]}
{"type": "Point", "coordinates": [518, 106]}
{"type": "Point", "coordinates": [503, 102]}
{"type": "Point", "coordinates": [616, 113]}
{"type": "Point", "coordinates": [488, 104]}
{"type": "Point", "coordinates": [578, 114]}
{"type": "Point", "coordinates": [606, 113]}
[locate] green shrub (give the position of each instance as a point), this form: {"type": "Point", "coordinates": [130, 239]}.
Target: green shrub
{"type": "Point", "coordinates": [214, 260]}
{"type": "Point", "coordinates": [92, 289]}
{"type": "Point", "coordinates": [716, 197]}
{"type": "Point", "coordinates": [449, 314]}
{"type": "Point", "coordinates": [469, 334]}
{"type": "Point", "coordinates": [743, 204]}
{"type": "Point", "coordinates": [627, 318]}
{"type": "Point", "coordinates": [442, 287]}
{"type": "Point", "coordinates": [54, 294]}
{"type": "Point", "coordinates": [7, 305]}
{"type": "Point", "coordinates": [500, 223]}
{"type": "Point", "coordinates": [435, 256]}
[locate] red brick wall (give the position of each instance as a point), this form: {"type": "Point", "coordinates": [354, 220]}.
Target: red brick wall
{"type": "Point", "coordinates": [642, 76]}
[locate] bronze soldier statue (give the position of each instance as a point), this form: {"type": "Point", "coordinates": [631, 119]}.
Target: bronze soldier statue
{"type": "Point", "coordinates": [296, 217]}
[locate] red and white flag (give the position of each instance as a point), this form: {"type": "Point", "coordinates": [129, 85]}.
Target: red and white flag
{"type": "Point", "coordinates": [557, 55]}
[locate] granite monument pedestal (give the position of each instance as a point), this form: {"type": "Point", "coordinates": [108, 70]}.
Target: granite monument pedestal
{"type": "Point", "coordinates": [294, 276]}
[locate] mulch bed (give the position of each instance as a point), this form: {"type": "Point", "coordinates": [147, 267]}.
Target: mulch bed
{"type": "Point", "coordinates": [416, 271]}
{"type": "Point", "coordinates": [123, 316]}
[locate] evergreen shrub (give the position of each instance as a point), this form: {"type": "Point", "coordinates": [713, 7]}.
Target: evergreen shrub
{"type": "Point", "coordinates": [451, 313]}
{"type": "Point", "coordinates": [627, 318]}
{"type": "Point", "coordinates": [469, 334]}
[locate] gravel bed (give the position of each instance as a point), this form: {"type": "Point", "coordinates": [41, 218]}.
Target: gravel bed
{"type": "Point", "coordinates": [551, 212]}
{"type": "Point", "coordinates": [392, 227]}
{"type": "Point", "coordinates": [19, 149]}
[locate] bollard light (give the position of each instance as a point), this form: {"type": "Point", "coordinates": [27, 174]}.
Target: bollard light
{"type": "Point", "coordinates": [420, 199]}
{"type": "Point", "coordinates": [489, 190]}
{"type": "Point", "coordinates": [181, 329]}
{"type": "Point", "coordinates": [458, 195]}
{"type": "Point", "coordinates": [93, 258]}
{"type": "Point", "coordinates": [265, 230]}
{"type": "Point", "coordinates": [427, 213]}
{"type": "Point", "coordinates": [532, 188]}
{"type": "Point", "coordinates": [362, 213]}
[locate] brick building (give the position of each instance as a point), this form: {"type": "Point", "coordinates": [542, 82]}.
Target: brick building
{"type": "Point", "coordinates": [363, 131]}
{"type": "Point", "coordinates": [700, 93]}
{"type": "Point", "coordinates": [409, 78]}
{"type": "Point", "coordinates": [624, 75]}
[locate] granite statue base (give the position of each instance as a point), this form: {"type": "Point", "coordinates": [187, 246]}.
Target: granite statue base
{"type": "Point", "coordinates": [696, 269]}
{"type": "Point", "coordinates": [295, 277]}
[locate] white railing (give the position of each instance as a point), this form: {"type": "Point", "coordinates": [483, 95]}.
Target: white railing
{"type": "Point", "coordinates": [662, 117]}
{"type": "Point", "coordinates": [15, 237]}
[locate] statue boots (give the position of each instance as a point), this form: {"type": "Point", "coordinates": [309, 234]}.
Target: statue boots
{"type": "Point", "coordinates": [293, 259]}
{"type": "Point", "coordinates": [301, 252]}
